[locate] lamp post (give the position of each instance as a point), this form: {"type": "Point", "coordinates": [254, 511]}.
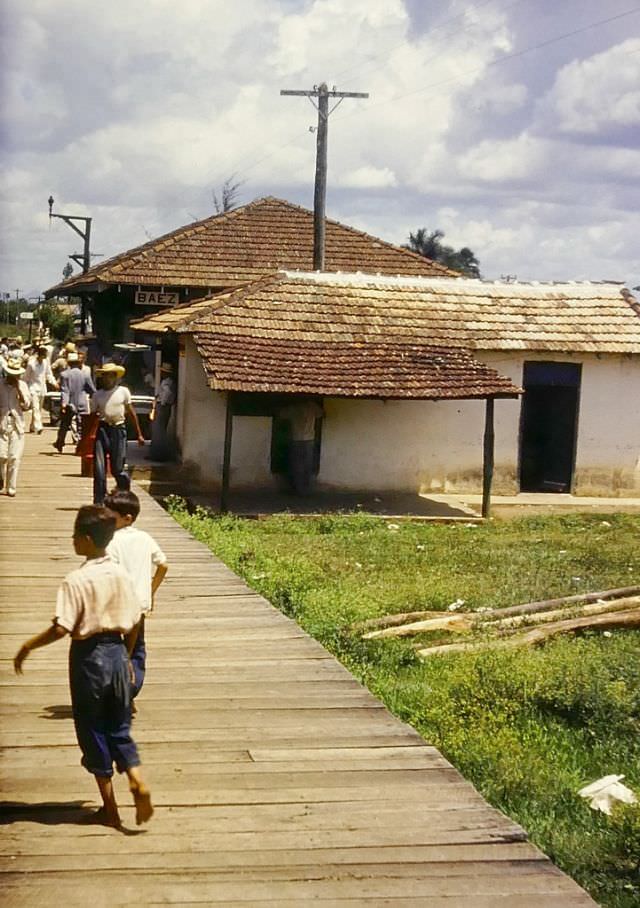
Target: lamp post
{"type": "Point", "coordinates": [82, 258]}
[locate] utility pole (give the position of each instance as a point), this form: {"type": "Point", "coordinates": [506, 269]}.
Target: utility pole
{"type": "Point", "coordinates": [81, 258]}
{"type": "Point", "coordinates": [322, 93]}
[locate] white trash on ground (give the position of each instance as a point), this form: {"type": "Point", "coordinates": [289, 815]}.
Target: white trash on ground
{"type": "Point", "coordinates": [604, 793]}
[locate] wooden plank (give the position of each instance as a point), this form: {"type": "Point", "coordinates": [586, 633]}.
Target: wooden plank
{"type": "Point", "coordinates": [277, 778]}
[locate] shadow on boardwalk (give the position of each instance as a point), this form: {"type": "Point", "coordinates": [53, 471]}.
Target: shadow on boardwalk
{"type": "Point", "coordinates": [277, 779]}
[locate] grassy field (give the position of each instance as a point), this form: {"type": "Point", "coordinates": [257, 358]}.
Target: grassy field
{"type": "Point", "coordinates": [528, 728]}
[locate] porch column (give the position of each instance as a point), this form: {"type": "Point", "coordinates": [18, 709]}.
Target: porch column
{"type": "Point", "coordinates": [226, 460]}
{"type": "Point", "coordinates": [487, 464]}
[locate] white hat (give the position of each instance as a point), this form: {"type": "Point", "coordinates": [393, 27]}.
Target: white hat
{"type": "Point", "coordinates": [13, 366]}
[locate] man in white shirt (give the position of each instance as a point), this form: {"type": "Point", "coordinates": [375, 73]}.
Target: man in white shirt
{"type": "Point", "coordinates": [112, 404]}
{"type": "Point", "coordinates": [37, 376]}
{"type": "Point", "coordinates": [15, 400]}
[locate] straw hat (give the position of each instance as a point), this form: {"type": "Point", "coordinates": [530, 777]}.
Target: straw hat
{"type": "Point", "coordinates": [70, 347]}
{"type": "Point", "coordinates": [111, 368]}
{"type": "Point", "coordinates": [13, 366]}
{"type": "Point", "coordinates": [166, 367]}
{"type": "Point", "coordinates": [73, 358]}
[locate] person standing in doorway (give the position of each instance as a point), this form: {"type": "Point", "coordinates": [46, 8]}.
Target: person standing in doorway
{"type": "Point", "coordinates": [301, 415]}
{"type": "Point", "coordinates": [161, 414]}
{"type": "Point", "coordinates": [37, 376]}
{"type": "Point", "coordinates": [15, 400]}
{"type": "Point", "coordinates": [112, 404]}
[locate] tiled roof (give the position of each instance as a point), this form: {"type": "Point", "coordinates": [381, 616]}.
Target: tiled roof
{"type": "Point", "coordinates": [242, 245]}
{"type": "Point", "coordinates": [378, 370]}
{"type": "Point", "coordinates": [293, 333]}
{"type": "Point", "coordinates": [481, 315]}
{"type": "Point", "coordinates": [177, 316]}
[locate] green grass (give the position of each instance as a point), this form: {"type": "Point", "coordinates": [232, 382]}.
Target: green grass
{"type": "Point", "coordinates": [527, 727]}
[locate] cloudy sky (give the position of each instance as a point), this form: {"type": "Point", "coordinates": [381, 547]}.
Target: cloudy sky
{"type": "Point", "coordinates": [512, 125]}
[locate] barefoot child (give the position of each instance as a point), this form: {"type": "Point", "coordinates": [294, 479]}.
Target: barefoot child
{"type": "Point", "coordinates": [138, 553]}
{"type": "Point", "coordinates": [98, 606]}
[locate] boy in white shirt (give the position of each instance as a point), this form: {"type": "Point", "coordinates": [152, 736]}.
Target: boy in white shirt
{"type": "Point", "coordinates": [138, 553]}
{"type": "Point", "coordinates": [98, 606]}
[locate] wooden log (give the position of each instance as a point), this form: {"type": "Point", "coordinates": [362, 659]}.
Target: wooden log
{"type": "Point", "coordinates": [628, 619]}
{"type": "Point", "coordinates": [544, 605]}
{"type": "Point", "coordinates": [458, 623]}
{"type": "Point", "coordinates": [395, 619]}
{"type": "Point", "coordinates": [592, 608]}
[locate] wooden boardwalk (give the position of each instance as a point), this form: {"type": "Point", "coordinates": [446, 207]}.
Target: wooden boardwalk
{"type": "Point", "coordinates": [277, 779]}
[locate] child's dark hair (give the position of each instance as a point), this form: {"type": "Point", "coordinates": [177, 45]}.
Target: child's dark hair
{"type": "Point", "coordinates": [123, 503]}
{"type": "Point", "coordinates": [97, 523]}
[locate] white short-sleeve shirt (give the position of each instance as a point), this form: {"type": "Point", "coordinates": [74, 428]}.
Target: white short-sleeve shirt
{"type": "Point", "coordinates": [97, 597]}
{"type": "Point", "coordinates": [139, 554]}
{"type": "Point", "coordinates": [111, 405]}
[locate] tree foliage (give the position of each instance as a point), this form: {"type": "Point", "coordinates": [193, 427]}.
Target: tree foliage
{"type": "Point", "coordinates": [227, 200]}
{"type": "Point", "coordinates": [430, 245]}
{"type": "Point", "coordinates": [58, 320]}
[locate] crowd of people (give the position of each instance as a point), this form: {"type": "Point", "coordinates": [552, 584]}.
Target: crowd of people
{"type": "Point", "coordinates": [103, 604]}
{"type": "Point", "coordinates": [93, 404]}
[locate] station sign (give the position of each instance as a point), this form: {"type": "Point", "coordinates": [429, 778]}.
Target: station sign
{"type": "Point", "coordinates": [26, 316]}
{"type": "Point", "coordinates": [154, 298]}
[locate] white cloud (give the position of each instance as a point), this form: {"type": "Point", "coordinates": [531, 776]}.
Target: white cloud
{"type": "Point", "coordinates": [591, 96]}
{"type": "Point", "coordinates": [369, 178]}
{"type": "Point", "coordinates": [132, 113]}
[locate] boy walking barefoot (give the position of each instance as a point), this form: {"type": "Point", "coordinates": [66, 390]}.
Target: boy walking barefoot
{"type": "Point", "coordinates": [138, 553]}
{"type": "Point", "coordinates": [98, 607]}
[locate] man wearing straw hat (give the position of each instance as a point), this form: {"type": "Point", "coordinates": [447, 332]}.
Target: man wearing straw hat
{"type": "Point", "coordinates": [112, 403]}
{"type": "Point", "coordinates": [14, 401]}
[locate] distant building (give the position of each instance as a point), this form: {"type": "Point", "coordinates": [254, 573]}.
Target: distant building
{"type": "Point", "coordinates": [224, 252]}
{"type": "Point", "coordinates": [401, 365]}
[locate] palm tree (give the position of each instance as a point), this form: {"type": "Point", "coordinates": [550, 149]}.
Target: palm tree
{"type": "Point", "coordinates": [429, 244]}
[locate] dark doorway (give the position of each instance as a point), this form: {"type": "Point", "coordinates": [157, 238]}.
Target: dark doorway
{"type": "Point", "coordinates": [548, 427]}
{"type": "Point", "coordinates": [280, 439]}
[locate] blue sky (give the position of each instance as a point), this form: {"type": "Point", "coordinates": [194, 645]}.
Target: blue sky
{"type": "Point", "coordinates": [482, 121]}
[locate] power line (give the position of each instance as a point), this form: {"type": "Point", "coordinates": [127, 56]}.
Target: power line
{"type": "Point", "coordinates": [322, 93]}
{"type": "Point", "coordinates": [461, 31]}
{"type": "Point", "coordinates": [507, 57]}
{"type": "Point", "coordinates": [244, 170]}
{"type": "Point", "coordinates": [454, 79]}
{"type": "Point", "coordinates": [437, 27]}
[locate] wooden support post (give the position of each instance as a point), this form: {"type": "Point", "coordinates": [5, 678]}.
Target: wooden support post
{"type": "Point", "coordinates": [487, 463]}
{"type": "Point", "coordinates": [226, 460]}
{"type": "Point", "coordinates": [156, 369]}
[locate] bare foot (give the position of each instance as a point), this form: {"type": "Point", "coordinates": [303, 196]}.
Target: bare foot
{"type": "Point", "coordinates": [142, 800]}
{"type": "Point", "coordinates": [104, 817]}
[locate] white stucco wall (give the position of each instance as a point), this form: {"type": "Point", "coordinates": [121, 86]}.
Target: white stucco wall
{"type": "Point", "coordinates": [426, 445]}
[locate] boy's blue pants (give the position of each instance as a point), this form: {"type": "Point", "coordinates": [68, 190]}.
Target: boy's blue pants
{"type": "Point", "coordinates": [101, 700]}
{"type": "Point", "coordinates": [138, 661]}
